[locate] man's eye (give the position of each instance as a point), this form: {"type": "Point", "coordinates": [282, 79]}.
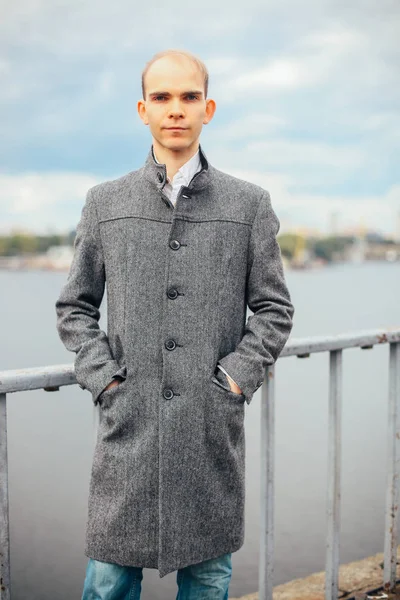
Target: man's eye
{"type": "Point", "coordinates": [157, 97]}
{"type": "Point", "coordinates": [192, 96]}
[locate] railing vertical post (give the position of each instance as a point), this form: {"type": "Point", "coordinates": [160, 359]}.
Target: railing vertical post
{"type": "Point", "coordinates": [334, 466]}
{"type": "Point", "coordinates": [267, 446]}
{"type": "Point", "coordinates": [393, 457]}
{"type": "Point", "coordinates": [5, 587]}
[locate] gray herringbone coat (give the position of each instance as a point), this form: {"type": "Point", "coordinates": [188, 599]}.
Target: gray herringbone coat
{"type": "Point", "coordinates": [167, 486]}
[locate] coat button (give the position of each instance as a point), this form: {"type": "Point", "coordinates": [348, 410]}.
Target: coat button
{"type": "Point", "coordinates": [170, 344]}
{"type": "Point", "coordinates": [186, 195]}
{"type": "Point", "coordinates": [160, 176]}
{"type": "Point", "coordinates": [172, 293]}
{"type": "Point", "coordinates": [168, 394]}
{"type": "Point", "coordinates": [174, 244]}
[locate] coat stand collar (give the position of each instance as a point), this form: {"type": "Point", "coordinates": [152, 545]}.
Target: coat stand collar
{"type": "Point", "coordinates": [157, 173]}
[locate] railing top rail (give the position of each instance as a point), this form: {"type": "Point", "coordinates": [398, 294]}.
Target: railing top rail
{"type": "Point", "coordinates": [50, 376]}
{"type": "Point", "coordinates": [34, 378]}
{"type": "Point", "coordinates": [356, 339]}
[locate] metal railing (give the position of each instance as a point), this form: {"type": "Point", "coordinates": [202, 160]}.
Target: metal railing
{"type": "Point", "coordinates": [303, 348]}
{"type": "Point", "coordinates": [53, 377]}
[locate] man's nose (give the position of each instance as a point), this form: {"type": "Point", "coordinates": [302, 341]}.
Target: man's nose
{"type": "Point", "coordinates": [175, 109]}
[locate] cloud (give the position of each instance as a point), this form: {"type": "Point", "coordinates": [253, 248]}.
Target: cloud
{"type": "Point", "coordinates": [307, 93]}
{"type": "Point", "coordinates": [304, 164]}
{"type": "Point", "coordinates": [52, 202]}
{"type": "Point", "coordinates": [277, 74]}
{"type": "Point", "coordinates": [378, 212]}
{"type": "Point", "coordinates": [255, 125]}
{"type": "Point", "coordinates": [42, 201]}
{"type": "Point", "coordinates": [280, 152]}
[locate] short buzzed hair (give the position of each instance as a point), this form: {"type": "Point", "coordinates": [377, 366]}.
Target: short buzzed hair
{"type": "Point", "coordinates": [172, 52]}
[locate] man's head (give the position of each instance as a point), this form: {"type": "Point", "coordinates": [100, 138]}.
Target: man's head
{"type": "Point", "coordinates": [175, 86]}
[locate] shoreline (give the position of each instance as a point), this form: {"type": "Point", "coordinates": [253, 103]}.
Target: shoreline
{"type": "Point", "coordinates": [355, 580]}
{"type": "Point", "coordinates": [43, 263]}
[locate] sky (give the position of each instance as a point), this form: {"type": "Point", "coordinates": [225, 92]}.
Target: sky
{"type": "Point", "coordinates": [307, 94]}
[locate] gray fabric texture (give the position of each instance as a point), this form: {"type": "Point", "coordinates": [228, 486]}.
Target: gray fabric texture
{"type": "Point", "coordinates": [167, 486]}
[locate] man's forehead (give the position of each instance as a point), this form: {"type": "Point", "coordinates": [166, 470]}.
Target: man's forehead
{"type": "Point", "coordinates": [173, 73]}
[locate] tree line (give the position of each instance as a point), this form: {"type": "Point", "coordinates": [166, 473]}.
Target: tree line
{"type": "Point", "coordinates": [17, 244]}
{"type": "Point", "coordinates": [291, 244]}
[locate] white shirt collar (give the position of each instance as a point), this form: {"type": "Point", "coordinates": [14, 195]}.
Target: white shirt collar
{"type": "Point", "coordinates": [187, 170]}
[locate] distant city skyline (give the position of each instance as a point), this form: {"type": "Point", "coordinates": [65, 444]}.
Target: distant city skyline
{"type": "Point", "coordinates": [357, 230]}
{"type": "Point", "coordinates": [307, 95]}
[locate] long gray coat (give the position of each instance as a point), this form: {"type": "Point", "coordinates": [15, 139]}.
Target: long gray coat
{"type": "Point", "coordinates": [167, 485]}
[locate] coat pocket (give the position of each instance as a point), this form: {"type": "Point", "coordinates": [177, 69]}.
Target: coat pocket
{"type": "Point", "coordinates": [107, 397]}
{"type": "Point", "coordinates": [225, 426]}
{"type": "Point", "coordinates": [227, 391]}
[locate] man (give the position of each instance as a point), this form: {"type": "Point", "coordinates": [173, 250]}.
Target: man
{"type": "Point", "coordinates": [184, 248]}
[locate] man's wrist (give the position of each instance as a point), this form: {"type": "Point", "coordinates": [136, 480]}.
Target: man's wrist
{"type": "Point", "coordinates": [116, 378]}
{"type": "Point", "coordinates": [231, 383]}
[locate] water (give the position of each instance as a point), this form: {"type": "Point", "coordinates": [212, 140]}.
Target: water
{"type": "Point", "coordinates": [50, 438]}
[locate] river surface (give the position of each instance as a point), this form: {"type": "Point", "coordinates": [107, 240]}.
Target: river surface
{"type": "Point", "coordinates": [51, 437]}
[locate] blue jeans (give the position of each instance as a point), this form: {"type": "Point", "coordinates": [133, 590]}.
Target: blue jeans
{"type": "Point", "coordinates": [207, 580]}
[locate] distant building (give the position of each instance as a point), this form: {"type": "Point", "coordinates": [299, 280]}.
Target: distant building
{"type": "Point", "coordinates": [333, 226]}
{"type": "Point", "coordinates": [397, 232]}
{"type": "Point", "coordinates": [59, 257]}
{"type": "Point", "coordinates": [306, 231]}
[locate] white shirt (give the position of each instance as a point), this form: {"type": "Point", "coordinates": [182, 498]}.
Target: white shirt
{"type": "Point", "coordinates": [182, 178]}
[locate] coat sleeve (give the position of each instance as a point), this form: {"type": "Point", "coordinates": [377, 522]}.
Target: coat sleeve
{"type": "Point", "coordinates": [77, 308]}
{"type": "Point", "coordinates": [267, 296]}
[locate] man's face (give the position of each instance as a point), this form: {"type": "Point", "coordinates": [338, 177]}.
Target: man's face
{"type": "Point", "coordinates": [175, 98]}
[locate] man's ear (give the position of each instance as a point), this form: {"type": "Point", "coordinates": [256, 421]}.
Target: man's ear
{"type": "Point", "coordinates": [141, 108]}
{"type": "Point", "coordinates": [210, 110]}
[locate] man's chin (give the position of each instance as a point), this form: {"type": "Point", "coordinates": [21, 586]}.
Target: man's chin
{"type": "Point", "coordinates": [176, 145]}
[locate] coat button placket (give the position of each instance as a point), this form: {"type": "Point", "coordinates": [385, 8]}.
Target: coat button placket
{"type": "Point", "coordinates": [173, 397]}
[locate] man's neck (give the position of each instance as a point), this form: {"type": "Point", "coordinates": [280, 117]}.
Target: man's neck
{"type": "Point", "coordinates": [174, 160]}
